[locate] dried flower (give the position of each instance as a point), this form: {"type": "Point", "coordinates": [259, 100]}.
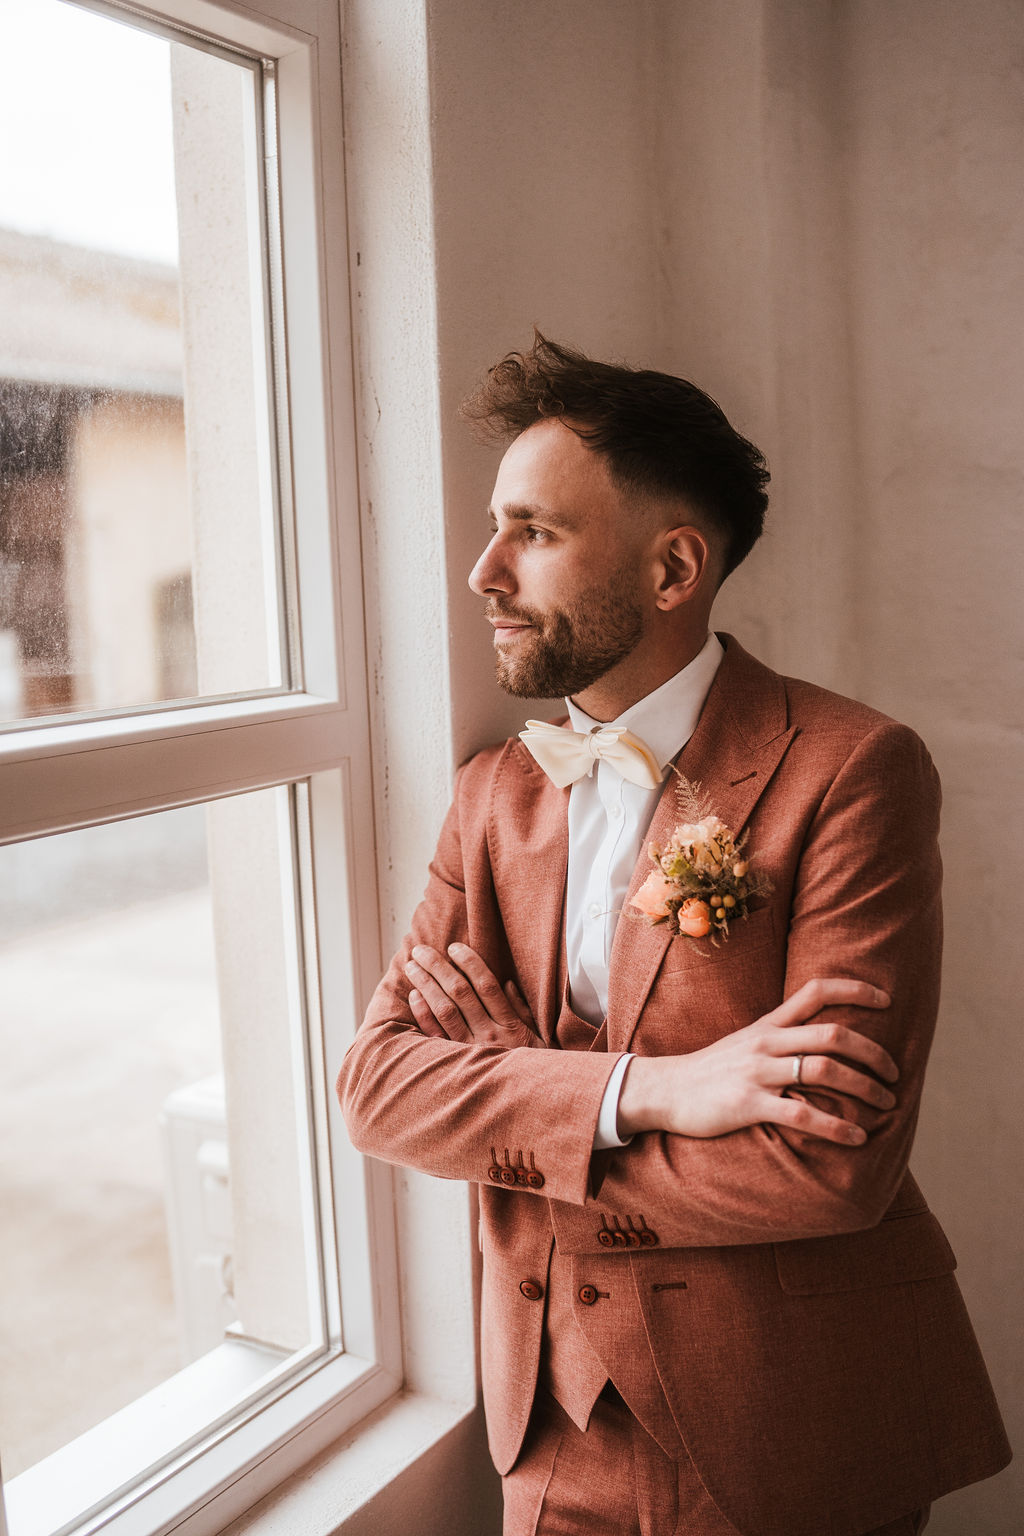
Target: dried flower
{"type": "Point", "coordinates": [700, 884]}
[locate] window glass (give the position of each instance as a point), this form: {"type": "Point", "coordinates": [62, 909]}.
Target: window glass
{"type": "Point", "coordinates": [138, 467]}
{"type": "Point", "coordinates": [158, 1206]}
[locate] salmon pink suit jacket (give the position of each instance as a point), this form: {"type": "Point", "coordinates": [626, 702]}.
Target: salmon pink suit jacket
{"type": "Point", "coordinates": [783, 1306]}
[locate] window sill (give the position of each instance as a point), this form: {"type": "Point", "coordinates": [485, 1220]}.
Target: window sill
{"type": "Point", "coordinates": [418, 1463]}
{"type": "Point", "coordinates": [99, 1480]}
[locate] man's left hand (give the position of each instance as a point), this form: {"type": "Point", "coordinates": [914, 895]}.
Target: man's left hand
{"type": "Point", "coordinates": [460, 998]}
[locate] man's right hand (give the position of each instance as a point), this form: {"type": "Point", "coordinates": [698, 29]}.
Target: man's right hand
{"type": "Point", "coordinates": [742, 1079]}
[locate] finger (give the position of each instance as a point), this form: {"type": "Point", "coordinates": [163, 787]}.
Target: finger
{"type": "Point", "coordinates": [825, 1072]}
{"type": "Point", "coordinates": [799, 1115]}
{"type": "Point", "coordinates": [444, 1010]}
{"type": "Point", "coordinates": [827, 992]}
{"type": "Point", "coordinates": [452, 982]}
{"type": "Point", "coordinates": [519, 1003]}
{"type": "Point", "coordinates": [487, 987]}
{"type": "Point", "coordinates": [425, 1021]}
{"type": "Point", "coordinates": [834, 1040]}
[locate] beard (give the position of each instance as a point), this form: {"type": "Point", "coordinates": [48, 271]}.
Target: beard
{"type": "Point", "coordinates": [571, 648]}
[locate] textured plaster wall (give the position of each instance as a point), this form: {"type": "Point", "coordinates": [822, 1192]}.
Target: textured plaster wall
{"type": "Point", "coordinates": [545, 196]}
{"type": "Point", "coordinates": [936, 116]}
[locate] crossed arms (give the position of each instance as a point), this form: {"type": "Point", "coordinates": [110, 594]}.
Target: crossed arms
{"type": "Point", "coordinates": [720, 1155]}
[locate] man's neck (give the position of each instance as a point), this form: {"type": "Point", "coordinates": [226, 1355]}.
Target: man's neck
{"type": "Point", "coordinates": [623, 686]}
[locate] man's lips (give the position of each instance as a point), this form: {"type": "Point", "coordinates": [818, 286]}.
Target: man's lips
{"type": "Point", "coordinates": [508, 629]}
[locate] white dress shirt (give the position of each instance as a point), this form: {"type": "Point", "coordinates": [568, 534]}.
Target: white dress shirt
{"type": "Point", "coordinates": [608, 820]}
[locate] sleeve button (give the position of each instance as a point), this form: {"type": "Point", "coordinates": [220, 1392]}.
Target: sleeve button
{"type": "Point", "coordinates": [531, 1289]}
{"type": "Point", "coordinates": [507, 1175]}
{"type": "Point", "coordinates": [535, 1179]}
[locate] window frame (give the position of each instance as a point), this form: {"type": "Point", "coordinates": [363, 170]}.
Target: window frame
{"type": "Point", "coordinates": [68, 773]}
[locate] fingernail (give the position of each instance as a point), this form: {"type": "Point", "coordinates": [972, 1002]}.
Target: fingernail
{"type": "Point", "coordinates": [857, 1135]}
{"type": "Point", "coordinates": [412, 968]}
{"type": "Point", "coordinates": [882, 998]}
{"type": "Point", "coordinates": [414, 996]}
{"type": "Point", "coordinates": [456, 949]}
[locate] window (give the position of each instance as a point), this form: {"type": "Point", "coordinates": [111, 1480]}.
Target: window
{"type": "Point", "coordinates": [187, 900]}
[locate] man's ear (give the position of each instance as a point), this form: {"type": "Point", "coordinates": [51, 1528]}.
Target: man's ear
{"type": "Point", "coordinates": [686, 566]}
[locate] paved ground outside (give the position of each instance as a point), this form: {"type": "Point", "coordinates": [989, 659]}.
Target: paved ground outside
{"type": "Point", "coordinates": [99, 1021]}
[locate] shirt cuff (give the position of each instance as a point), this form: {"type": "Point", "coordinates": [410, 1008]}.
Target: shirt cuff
{"type": "Point", "coordinates": [607, 1133]}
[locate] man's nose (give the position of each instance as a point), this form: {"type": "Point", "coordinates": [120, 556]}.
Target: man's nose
{"type": "Point", "coordinates": [491, 573]}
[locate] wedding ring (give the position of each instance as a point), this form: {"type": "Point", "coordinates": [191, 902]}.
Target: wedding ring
{"type": "Point", "coordinates": [798, 1067]}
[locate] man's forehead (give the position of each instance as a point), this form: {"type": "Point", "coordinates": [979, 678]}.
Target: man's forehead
{"type": "Point", "coordinates": [548, 469]}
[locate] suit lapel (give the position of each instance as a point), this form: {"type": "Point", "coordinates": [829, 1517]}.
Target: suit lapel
{"type": "Point", "coordinates": [742, 735]}
{"type": "Point", "coordinates": [529, 838]}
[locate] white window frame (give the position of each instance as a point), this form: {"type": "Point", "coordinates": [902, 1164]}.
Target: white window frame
{"type": "Point", "coordinates": [74, 773]}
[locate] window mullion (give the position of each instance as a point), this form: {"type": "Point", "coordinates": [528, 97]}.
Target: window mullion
{"type": "Point", "coordinates": [103, 779]}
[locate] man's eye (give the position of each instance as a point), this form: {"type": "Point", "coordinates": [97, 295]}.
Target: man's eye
{"type": "Point", "coordinates": [536, 535]}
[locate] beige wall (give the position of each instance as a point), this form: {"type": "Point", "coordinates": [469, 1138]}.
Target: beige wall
{"type": "Point", "coordinates": [809, 208]}
{"type": "Point", "coordinates": [131, 532]}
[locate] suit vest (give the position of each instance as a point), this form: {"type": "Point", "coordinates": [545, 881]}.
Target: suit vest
{"type": "Point", "coordinates": [570, 1367]}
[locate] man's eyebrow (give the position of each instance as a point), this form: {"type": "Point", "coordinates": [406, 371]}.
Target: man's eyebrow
{"type": "Point", "coordinates": [521, 512]}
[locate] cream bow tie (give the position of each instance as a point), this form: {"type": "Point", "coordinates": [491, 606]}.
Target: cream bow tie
{"type": "Point", "coordinates": [567, 755]}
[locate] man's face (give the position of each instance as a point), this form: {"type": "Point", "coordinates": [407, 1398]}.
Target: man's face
{"type": "Point", "coordinates": [562, 572]}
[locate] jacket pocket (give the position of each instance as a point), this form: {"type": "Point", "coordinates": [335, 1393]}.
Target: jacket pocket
{"type": "Point", "coordinates": [900, 1249]}
{"type": "Point", "coordinates": [747, 935]}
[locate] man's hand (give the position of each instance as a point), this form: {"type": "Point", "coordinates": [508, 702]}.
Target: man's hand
{"type": "Point", "coordinates": [461, 999]}
{"type": "Point", "coordinates": [742, 1079]}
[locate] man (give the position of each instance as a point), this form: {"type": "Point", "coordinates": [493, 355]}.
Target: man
{"type": "Point", "coordinates": [714, 1298]}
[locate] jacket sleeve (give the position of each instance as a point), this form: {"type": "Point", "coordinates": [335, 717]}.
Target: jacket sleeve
{"type": "Point", "coordinates": [866, 904]}
{"type": "Point", "coordinates": [521, 1119]}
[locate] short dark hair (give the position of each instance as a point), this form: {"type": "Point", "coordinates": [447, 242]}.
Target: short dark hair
{"type": "Point", "coordinates": [659, 434]}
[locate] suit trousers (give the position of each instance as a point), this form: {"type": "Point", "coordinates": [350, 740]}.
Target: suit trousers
{"type": "Point", "coordinates": [614, 1480]}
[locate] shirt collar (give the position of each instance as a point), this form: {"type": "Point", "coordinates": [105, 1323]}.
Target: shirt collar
{"type": "Point", "coordinates": [666, 718]}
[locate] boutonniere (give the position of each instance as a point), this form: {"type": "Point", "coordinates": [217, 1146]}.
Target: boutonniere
{"type": "Point", "coordinates": [703, 878]}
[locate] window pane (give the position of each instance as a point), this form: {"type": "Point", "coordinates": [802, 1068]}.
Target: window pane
{"type": "Point", "coordinates": [158, 1203]}
{"type": "Point", "coordinates": [138, 537]}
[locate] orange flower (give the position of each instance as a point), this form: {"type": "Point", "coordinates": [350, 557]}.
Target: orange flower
{"type": "Point", "coordinates": [694, 917]}
{"type": "Point", "coordinates": [653, 896]}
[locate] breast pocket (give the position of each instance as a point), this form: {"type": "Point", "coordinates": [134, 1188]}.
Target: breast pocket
{"type": "Point", "coordinates": [703, 993]}
{"type": "Point", "coordinates": [747, 937]}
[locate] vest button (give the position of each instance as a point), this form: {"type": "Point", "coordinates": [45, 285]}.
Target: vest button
{"type": "Point", "coordinates": [588, 1295]}
{"type": "Point", "coordinates": [531, 1289]}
